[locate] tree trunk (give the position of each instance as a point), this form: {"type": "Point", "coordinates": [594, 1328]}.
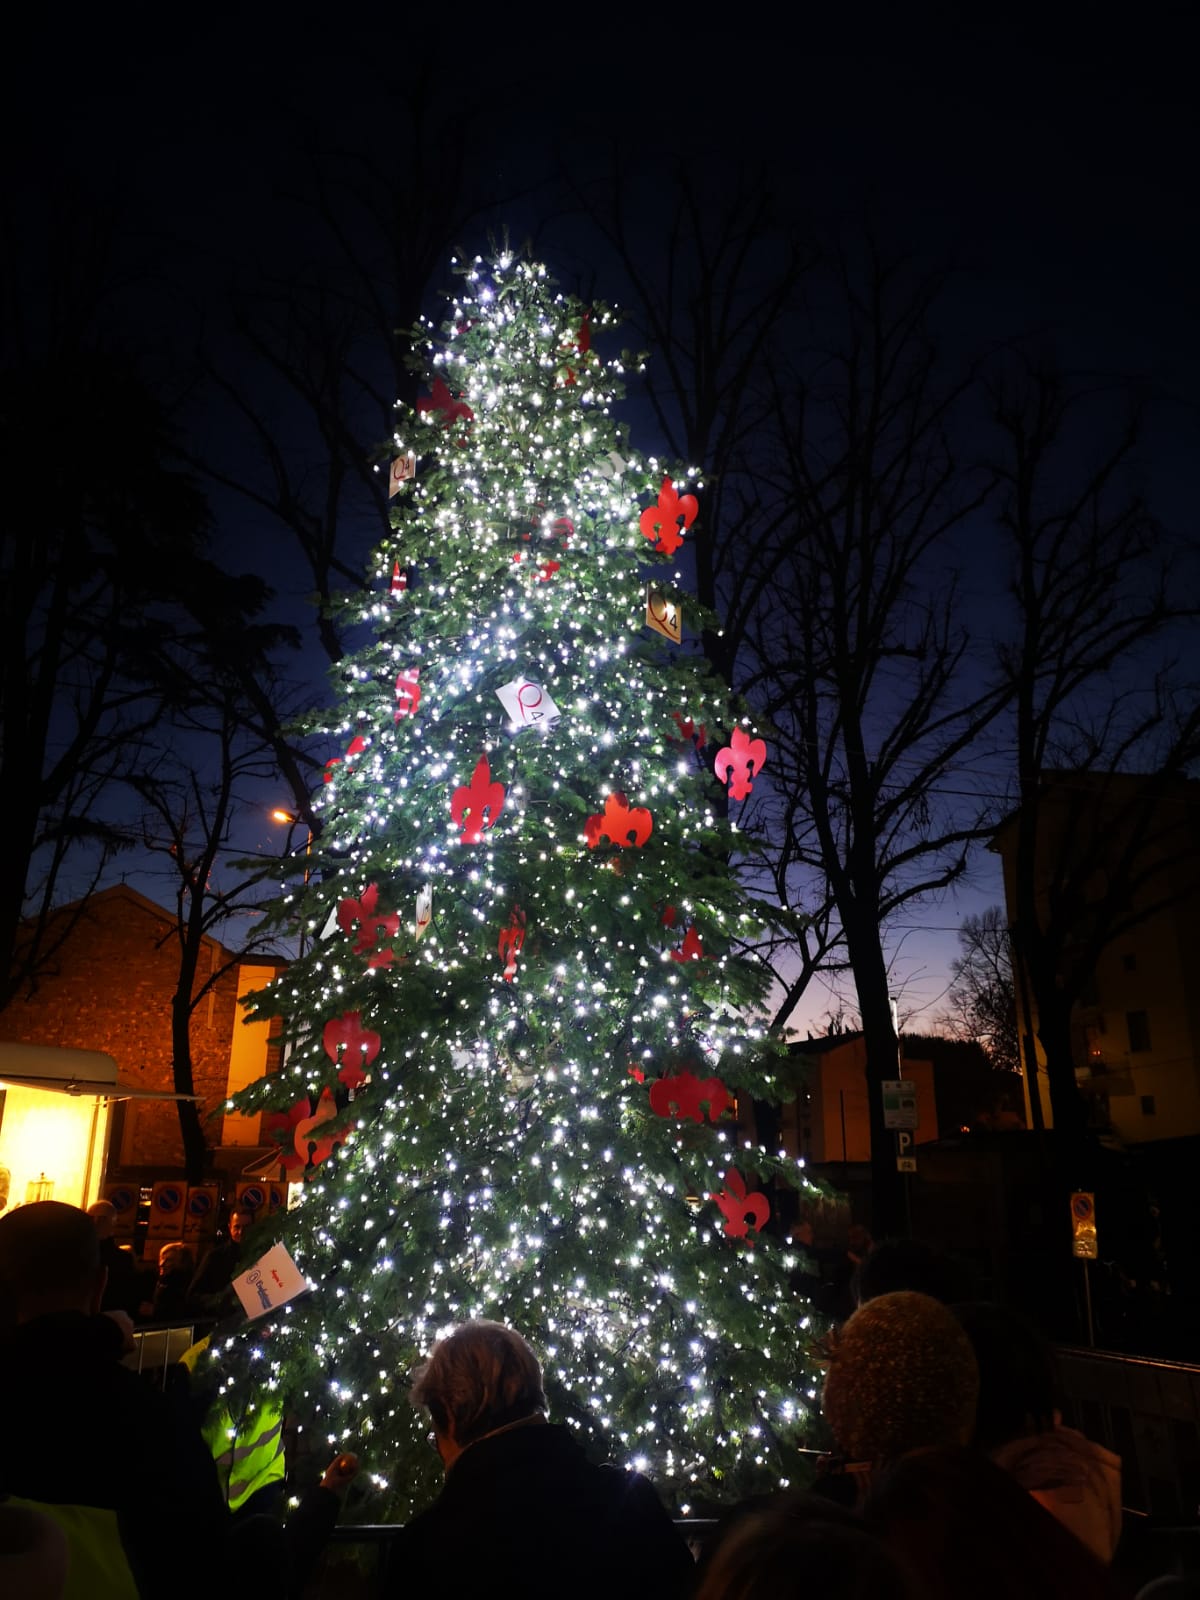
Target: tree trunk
{"type": "Point", "coordinates": [195, 1146]}
{"type": "Point", "coordinates": [888, 1213]}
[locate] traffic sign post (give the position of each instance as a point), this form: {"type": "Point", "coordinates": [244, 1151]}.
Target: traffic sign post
{"type": "Point", "coordinates": [900, 1105]}
{"type": "Point", "coordinates": [1085, 1247]}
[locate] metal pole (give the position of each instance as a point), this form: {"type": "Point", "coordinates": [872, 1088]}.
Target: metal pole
{"type": "Point", "coordinates": [1087, 1303]}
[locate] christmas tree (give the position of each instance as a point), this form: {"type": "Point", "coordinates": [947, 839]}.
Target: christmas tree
{"type": "Point", "coordinates": [522, 1025]}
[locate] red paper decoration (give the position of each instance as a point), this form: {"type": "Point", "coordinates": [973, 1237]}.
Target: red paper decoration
{"type": "Point", "coordinates": [620, 823]}
{"type": "Point", "coordinates": [297, 1125]}
{"type": "Point", "coordinates": [684, 1094]}
{"type": "Point", "coordinates": [443, 401]}
{"type": "Point", "coordinates": [370, 921]}
{"type": "Point", "coordinates": [689, 731]}
{"type": "Point", "coordinates": [361, 1046]}
{"type": "Point", "coordinates": [472, 803]}
{"type": "Point", "coordinates": [668, 917]}
{"type": "Point", "coordinates": [691, 949]}
{"type": "Point", "coordinates": [636, 1074]}
{"type": "Point", "coordinates": [583, 341]}
{"type": "Point", "coordinates": [355, 748]}
{"type": "Point", "coordinates": [399, 581]}
{"type": "Point", "coordinates": [512, 938]}
{"type": "Point", "coordinates": [660, 522]}
{"type": "Point", "coordinates": [737, 760]}
{"type": "Point", "coordinates": [547, 571]}
{"type": "Point", "coordinates": [408, 693]}
{"type": "Point", "coordinates": [741, 1211]}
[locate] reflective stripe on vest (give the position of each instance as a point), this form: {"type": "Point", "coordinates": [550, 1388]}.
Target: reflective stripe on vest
{"type": "Point", "coordinates": [247, 1467]}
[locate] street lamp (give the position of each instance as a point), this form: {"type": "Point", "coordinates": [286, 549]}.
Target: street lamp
{"type": "Point", "coordinates": [290, 819]}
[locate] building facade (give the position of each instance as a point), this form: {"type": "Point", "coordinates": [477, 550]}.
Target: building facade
{"type": "Point", "coordinates": [111, 991]}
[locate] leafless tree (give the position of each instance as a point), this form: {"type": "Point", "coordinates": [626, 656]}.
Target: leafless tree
{"type": "Point", "coordinates": [983, 1001]}
{"type": "Point", "coordinates": [860, 659]}
{"type": "Point", "coordinates": [1106, 723]}
{"type": "Point", "coordinates": [97, 519]}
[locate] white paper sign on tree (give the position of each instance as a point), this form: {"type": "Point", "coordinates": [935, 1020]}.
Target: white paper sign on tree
{"type": "Point", "coordinates": [528, 704]}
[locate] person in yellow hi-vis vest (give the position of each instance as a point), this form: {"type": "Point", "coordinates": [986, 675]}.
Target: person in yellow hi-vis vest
{"type": "Point", "coordinates": [247, 1449]}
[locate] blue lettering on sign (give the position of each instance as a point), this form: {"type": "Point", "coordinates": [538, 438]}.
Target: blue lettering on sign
{"type": "Point", "coordinates": [260, 1288]}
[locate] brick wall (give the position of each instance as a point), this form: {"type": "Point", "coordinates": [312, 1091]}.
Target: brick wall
{"type": "Point", "coordinates": [112, 991]}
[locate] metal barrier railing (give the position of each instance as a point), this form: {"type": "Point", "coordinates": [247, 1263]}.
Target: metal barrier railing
{"type": "Point", "coordinates": [1148, 1412]}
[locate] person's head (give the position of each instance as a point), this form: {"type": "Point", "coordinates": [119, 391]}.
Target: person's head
{"type": "Point", "coordinates": [912, 1264]}
{"type": "Point", "coordinates": [240, 1220]}
{"type": "Point", "coordinates": [964, 1527]}
{"type": "Point", "coordinates": [797, 1547]}
{"type": "Point", "coordinates": [1018, 1383]}
{"type": "Point", "coordinates": [481, 1377]}
{"type": "Point", "coordinates": [50, 1259]}
{"type": "Point", "coordinates": [175, 1257]}
{"type": "Point", "coordinates": [104, 1214]}
{"type": "Point", "coordinates": [802, 1234]}
{"type": "Point", "coordinates": [902, 1376]}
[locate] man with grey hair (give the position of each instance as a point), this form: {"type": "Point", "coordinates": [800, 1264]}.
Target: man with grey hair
{"type": "Point", "coordinates": [523, 1511]}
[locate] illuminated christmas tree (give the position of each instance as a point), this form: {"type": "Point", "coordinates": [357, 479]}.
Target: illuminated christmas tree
{"type": "Point", "coordinates": [521, 1024]}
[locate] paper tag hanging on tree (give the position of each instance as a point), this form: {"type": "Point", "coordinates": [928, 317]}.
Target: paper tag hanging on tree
{"type": "Point", "coordinates": [660, 522]}
{"type": "Point", "coordinates": [684, 1094]}
{"type": "Point", "coordinates": [512, 939]}
{"type": "Point", "coordinates": [619, 822]}
{"type": "Point", "coordinates": [424, 909]}
{"type": "Point", "coordinates": [399, 579]}
{"type": "Point", "coordinates": [612, 466]}
{"type": "Point", "coordinates": [741, 1211]}
{"type": "Point", "coordinates": [663, 614]}
{"type": "Point", "coordinates": [528, 704]}
{"type": "Point", "coordinates": [408, 693]}
{"type": "Point", "coordinates": [271, 1282]}
{"type": "Point", "coordinates": [475, 806]}
{"type": "Point", "coordinates": [738, 760]}
{"type": "Point", "coordinates": [401, 471]}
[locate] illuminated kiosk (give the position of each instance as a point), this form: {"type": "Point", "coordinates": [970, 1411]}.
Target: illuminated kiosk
{"type": "Point", "coordinates": [55, 1110]}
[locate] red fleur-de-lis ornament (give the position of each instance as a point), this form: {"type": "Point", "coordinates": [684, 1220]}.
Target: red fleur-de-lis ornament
{"type": "Point", "coordinates": [620, 823]}
{"type": "Point", "coordinates": [298, 1126]}
{"type": "Point", "coordinates": [476, 805]}
{"type": "Point", "coordinates": [512, 939]}
{"type": "Point", "coordinates": [443, 402]}
{"type": "Point", "coordinates": [355, 748]}
{"type": "Point", "coordinates": [737, 761]}
{"type": "Point", "coordinates": [353, 1047]}
{"type": "Point", "coordinates": [690, 732]}
{"type": "Point", "coordinates": [684, 1094]}
{"type": "Point", "coordinates": [408, 693]}
{"type": "Point", "coordinates": [741, 1211]}
{"type": "Point", "coordinates": [691, 949]}
{"type": "Point", "coordinates": [371, 922]}
{"type": "Point", "coordinates": [660, 522]}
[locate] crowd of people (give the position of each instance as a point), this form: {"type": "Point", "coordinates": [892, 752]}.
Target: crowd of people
{"type": "Point", "coordinates": [950, 1474]}
{"type": "Point", "coordinates": [184, 1286]}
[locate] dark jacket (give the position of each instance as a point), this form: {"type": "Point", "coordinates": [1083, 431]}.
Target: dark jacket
{"type": "Point", "coordinates": [78, 1428]}
{"type": "Point", "coordinates": [211, 1294]}
{"type": "Point", "coordinates": [123, 1291]}
{"type": "Point", "coordinates": [525, 1513]}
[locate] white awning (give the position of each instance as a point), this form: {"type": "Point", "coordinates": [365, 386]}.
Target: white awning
{"type": "Point", "coordinates": [44, 1066]}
